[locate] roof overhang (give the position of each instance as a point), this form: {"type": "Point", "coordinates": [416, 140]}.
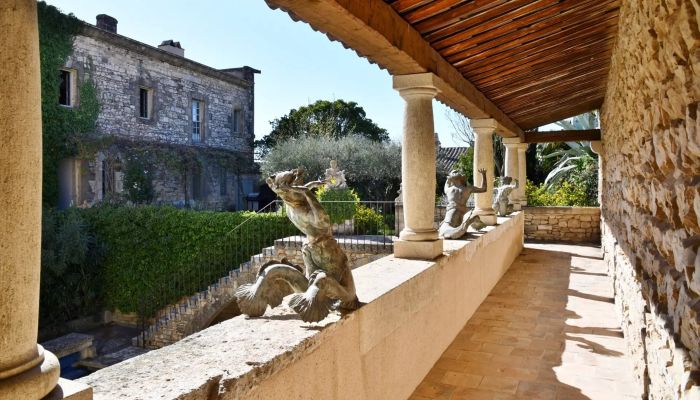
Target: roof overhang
{"type": "Point", "coordinates": [523, 63]}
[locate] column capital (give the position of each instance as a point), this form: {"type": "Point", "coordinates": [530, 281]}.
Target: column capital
{"type": "Point", "coordinates": [424, 84]}
{"type": "Point", "coordinates": [512, 141]}
{"type": "Point", "coordinates": [597, 147]}
{"type": "Point", "coordinates": [522, 147]}
{"type": "Point", "coordinates": [484, 126]}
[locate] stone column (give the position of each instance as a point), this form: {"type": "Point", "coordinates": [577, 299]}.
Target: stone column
{"type": "Point", "coordinates": [483, 159]}
{"type": "Point", "coordinates": [419, 238]}
{"type": "Point", "coordinates": [512, 166]}
{"type": "Point", "coordinates": [597, 147]}
{"type": "Point", "coordinates": [522, 174]}
{"type": "Point", "coordinates": [26, 370]}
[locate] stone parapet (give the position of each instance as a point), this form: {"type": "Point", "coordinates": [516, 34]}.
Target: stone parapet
{"type": "Point", "coordinates": [562, 224]}
{"type": "Point", "coordinates": [416, 305]}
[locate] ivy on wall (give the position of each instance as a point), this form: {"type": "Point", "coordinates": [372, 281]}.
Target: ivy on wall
{"type": "Point", "coordinates": [62, 126]}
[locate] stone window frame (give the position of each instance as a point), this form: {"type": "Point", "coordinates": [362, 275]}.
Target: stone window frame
{"type": "Point", "coordinates": [149, 102]}
{"type": "Point", "coordinates": [135, 87]}
{"type": "Point", "coordinates": [72, 87]}
{"type": "Point", "coordinates": [204, 123]}
{"type": "Point", "coordinates": [238, 119]}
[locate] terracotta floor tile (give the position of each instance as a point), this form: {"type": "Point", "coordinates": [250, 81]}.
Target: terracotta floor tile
{"type": "Point", "coordinates": [547, 331]}
{"type": "Point", "coordinates": [499, 384]}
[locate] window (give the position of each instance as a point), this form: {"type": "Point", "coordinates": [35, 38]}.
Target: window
{"type": "Point", "coordinates": [237, 120]}
{"type": "Point", "coordinates": [197, 113]}
{"type": "Point", "coordinates": [145, 103]}
{"type": "Point", "coordinates": [223, 189]}
{"type": "Point", "coordinates": [66, 88]}
{"type": "Point", "coordinates": [197, 186]}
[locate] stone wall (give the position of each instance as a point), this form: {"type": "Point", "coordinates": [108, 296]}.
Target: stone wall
{"type": "Point", "coordinates": [562, 224]}
{"type": "Point", "coordinates": [651, 191]}
{"type": "Point", "coordinates": [119, 67]}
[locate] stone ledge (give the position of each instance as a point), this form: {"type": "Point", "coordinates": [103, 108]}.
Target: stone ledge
{"type": "Point", "coordinates": [561, 210]}
{"type": "Point", "coordinates": [419, 305]}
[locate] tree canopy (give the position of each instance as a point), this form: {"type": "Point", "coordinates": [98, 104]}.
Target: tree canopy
{"type": "Point", "coordinates": [323, 118]}
{"type": "Point", "coordinates": [373, 170]}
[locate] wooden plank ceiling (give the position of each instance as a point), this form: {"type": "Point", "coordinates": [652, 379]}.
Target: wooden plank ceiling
{"type": "Point", "coordinates": [537, 60]}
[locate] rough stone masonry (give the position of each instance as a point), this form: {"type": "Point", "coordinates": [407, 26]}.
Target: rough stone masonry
{"type": "Point", "coordinates": [651, 191]}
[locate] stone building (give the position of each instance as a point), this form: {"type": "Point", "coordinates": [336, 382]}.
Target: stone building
{"type": "Point", "coordinates": [188, 125]}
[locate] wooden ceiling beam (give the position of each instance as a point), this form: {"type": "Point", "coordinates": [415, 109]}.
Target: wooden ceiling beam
{"type": "Point", "coordinates": [552, 64]}
{"type": "Point", "coordinates": [551, 72]}
{"type": "Point", "coordinates": [587, 135]}
{"type": "Point", "coordinates": [575, 95]}
{"type": "Point", "coordinates": [401, 6]}
{"type": "Point", "coordinates": [535, 49]}
{"type": "Point", "coordinates": [580, 42]}
{"type": "Point", "coordinates": [375, 31]}
{"type": "Point", "coordinates": [534, 120]}
{"type": "Point", "coordinates": [511, 37]}
{"type": "Point", "coordinates": [497, 17]}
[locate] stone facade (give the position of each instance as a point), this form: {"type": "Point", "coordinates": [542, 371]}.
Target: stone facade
{"type": "Point", "coordinates": [123, 71]}
{"type": "Point", "coordinates": [651, 192]}
{"type": "Point", "coordinates": [562, 224]}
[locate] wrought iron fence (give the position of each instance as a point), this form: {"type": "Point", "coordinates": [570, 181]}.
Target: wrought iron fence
{"type": "Point", "coordinates": [370, 228]}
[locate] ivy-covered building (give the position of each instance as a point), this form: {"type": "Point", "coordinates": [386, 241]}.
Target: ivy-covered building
{"type": "Point", "coordinates": [169, 130]}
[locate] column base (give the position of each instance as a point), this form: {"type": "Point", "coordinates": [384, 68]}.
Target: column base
{"type": "Point", "coordinates": [34, 383]}
{"type": "Point", "coordinates": [487, 216]}
{"type": "Point", "coordinates": [411, 235]}
{"type": "Point", "coordinates": [419, 250]}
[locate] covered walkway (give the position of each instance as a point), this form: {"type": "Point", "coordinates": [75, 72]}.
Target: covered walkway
{"type": "Point", "coordinates": [548, 330]}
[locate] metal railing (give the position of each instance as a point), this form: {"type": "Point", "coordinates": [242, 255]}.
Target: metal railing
{"type": "Point", "coordinates": [370, 228]}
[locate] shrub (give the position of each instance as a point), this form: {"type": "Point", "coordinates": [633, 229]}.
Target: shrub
{"type": "Point", "coordinates": [340, 204]}
{"type": "Point", "coordinates": [70, 268]}
{"type": "Point", "coordinates": [565, 194]}
{"type": "Point", "coordinates": [368, 222]}
{"type": "Point", "coordinates": [156, 255]}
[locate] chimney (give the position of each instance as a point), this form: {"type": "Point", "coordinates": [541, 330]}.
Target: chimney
{"type": "Point", "coordinates": [107, 23]}
{"type": "Point", "coordinates": [172, 47]}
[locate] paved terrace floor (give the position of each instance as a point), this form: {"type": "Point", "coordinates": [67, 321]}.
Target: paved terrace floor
{"type": "Point", "coordinates": [547, 331]}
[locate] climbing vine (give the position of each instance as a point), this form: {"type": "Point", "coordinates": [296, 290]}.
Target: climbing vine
{"type": "Point", "coordinates": [63, 127]}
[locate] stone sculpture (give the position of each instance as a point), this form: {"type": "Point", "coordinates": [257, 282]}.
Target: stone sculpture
{"type": "Point", "coordinates": [501, 193]}
{"type": "Point", "coordinates": [327, 282]}
{"type": "Point", "coordinates": [456, 221]}
{"type": "Point", "coordinates": [335, 178]}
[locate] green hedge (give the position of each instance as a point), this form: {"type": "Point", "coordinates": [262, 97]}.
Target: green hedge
{"type": "Point", "coordinates": [156, 255]}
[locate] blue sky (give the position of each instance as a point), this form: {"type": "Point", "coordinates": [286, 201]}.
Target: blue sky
{"type": "Point", "coordinates": [299, 65]}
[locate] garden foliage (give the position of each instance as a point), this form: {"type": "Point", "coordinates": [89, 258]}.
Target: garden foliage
{"type": "Point", "coordinates": [372, 169]}
{"type": "Point", "coordinates": [71, 262]}
{"type": "Point", "coordinates": [63, 127]}
{"type": "Point", "coordinates": [143, 258]}
{"type": "Point", "coordinates": [340, 204]}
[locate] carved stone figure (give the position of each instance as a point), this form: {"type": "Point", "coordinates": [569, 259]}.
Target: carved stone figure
{"type": "Point", "coordinates": [335, 178]}
{"type": "Point", "coordinates": [501, 193]}
{"type": "Point", "coordinates": [456, 221]}
{"type": "Point", "coordinates": [327, 283]}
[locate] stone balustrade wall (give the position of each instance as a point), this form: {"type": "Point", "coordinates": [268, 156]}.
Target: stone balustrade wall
{"type": "Point", "coordinates": [562, 224]}
{"type": "Point", "coordinates": [651, 191]}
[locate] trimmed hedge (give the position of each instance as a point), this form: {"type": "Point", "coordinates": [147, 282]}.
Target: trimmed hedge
{"type": "Point", "coordinates": [156, 255]}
